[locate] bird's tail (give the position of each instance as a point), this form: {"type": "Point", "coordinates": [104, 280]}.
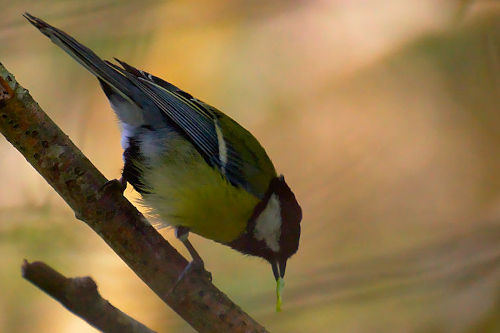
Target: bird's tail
{"type": "Point", "coordinates": [85, 57]}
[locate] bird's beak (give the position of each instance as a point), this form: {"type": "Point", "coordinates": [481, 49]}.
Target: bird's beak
{"type": "Point", "coordinates": [279, 267]}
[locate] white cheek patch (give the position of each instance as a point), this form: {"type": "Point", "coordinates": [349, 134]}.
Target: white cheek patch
{"type": "Point", "coordinates": [268, 224]}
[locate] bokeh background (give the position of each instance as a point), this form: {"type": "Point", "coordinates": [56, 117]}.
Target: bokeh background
{"type": "Point", "coordinates": [383, 115]}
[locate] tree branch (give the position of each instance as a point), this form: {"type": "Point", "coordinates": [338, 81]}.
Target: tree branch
{"type": "Point", "coordinates": [112, 216]}
{"type": "Point", "coordinates": [80, 296]}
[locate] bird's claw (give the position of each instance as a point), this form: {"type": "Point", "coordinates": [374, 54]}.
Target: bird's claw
{"type": "Point", "coordinates": [114, 184]}
{"type": "Point", "coordinates": [193, 268]}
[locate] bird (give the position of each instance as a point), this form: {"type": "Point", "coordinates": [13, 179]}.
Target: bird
{"type": "Point", "coordinates": [195, 168]}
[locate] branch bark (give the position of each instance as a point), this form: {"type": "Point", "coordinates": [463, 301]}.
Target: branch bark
{"type": "Point", "coordinates": [114, 218]}
{"type": "Point", "coordinates": [80, 296]}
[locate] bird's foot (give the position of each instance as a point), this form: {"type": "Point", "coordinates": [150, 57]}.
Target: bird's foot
{"type": "Point", "coordinates": [195, 268]}
{"type": "Point", "coordinates": [115, 185]}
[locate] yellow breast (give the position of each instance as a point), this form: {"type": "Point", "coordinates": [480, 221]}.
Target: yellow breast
{"type": "Point", "coordinates": [186, 191]}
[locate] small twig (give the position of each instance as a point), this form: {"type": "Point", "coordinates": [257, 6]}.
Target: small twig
{"type": "Point", "coordinates": [80, 296]}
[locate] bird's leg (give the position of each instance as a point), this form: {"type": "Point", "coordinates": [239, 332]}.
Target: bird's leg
{"type": "Point", "coordinates": [182, 234]}
{"type": "Point", "coordinates": [192, 252]}
{"type": "Point", "coordinates": [196, 265]}
{"type": "Point", "coordinates": [123, 183]}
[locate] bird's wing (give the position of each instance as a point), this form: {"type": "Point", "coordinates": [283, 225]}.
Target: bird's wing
{"type": "Point", "coordinates": [204, 126]}
{"type": "Point", "coordinates": [247, 167]}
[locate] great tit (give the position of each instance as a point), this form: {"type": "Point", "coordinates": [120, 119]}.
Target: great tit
{"type": "Point", "coordinates": [196, 168]}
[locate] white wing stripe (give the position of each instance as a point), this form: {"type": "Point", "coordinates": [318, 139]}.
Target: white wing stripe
{"type": "Point", "coordinates": [222, 147]}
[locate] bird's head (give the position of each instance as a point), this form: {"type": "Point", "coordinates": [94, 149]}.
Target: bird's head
{"type": "Point", "coordinates": [273, 231]}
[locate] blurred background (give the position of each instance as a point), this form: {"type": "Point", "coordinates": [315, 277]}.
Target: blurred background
{"type": "Point", "coordinates": [383, 115]}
